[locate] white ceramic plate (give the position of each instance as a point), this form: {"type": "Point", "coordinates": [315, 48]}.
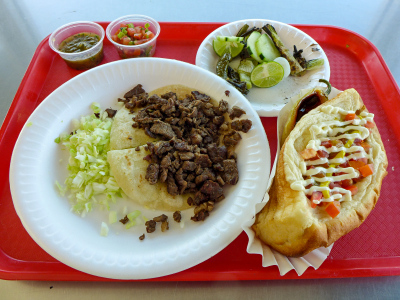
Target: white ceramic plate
{"type": "Point", "coordinates": [269, 101]}
{"type": "Point", "coordinates": [76, 241]}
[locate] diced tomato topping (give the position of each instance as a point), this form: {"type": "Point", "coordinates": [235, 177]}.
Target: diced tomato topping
{"type": "Point", "coordinates": [308, 153]}
{"type": "Point", "coordinates": [315, 196]}
{"type": "Point", "coordinates": [346, 183]}
{"type": "Point", "coordinates": [356, 164]}
{"type": "Point", "coordinates": [345, 164]}
{"type": "Point", "coordinates": [326, 144]}
{"type": "Point", "coordinates": [350, 116]}
{"type": "Point", "coordinates": [333, 208]}
{"type": "Point", "coordinates": [369, 124]}
{"type": "Point", "coordinates": [352, 188]}
{"type": "Point", "coordinates": [366, 146]}
{"type": "Point", "coordinates": [367, 170]}
{"type": "Point", "coordinates": [310, 167]}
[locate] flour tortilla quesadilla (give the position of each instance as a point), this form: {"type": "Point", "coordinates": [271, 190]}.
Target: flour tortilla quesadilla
{"type": "Point", "coordinates": [129, 169]}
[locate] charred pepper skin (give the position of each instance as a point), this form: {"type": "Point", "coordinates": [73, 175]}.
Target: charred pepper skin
{"type": "Point", "coordinates": [242, 30]}
{"type": "Point", "coordinates": [241, 86]}
{"type": "Point", "coordinates": [295, 68]}
{"type": "Point", "coordinates": [223, 63]}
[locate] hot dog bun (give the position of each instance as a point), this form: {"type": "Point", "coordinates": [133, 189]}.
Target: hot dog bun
{"type": "Point", "coordinates": [287, 223]}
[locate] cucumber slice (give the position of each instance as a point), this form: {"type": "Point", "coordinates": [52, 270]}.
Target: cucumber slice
{"type": "Point", "coordinates": [251, 45]}
{"type": "Point", "coordinates": [266, 49]}
{"type": "Point", "coordinates": [230, 38]}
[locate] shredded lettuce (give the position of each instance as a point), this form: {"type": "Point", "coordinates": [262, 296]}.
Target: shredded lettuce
{"type": "Point", "coordinates": [133, 215]}
{"type": "Point", "coordinates": [112, 217]}
{"type": "Point", "coordinates": [130, 224]}
{"type": "Point", "coordinates": [104, 229]}
{"type": "Point", "coordinates": [89, 172]}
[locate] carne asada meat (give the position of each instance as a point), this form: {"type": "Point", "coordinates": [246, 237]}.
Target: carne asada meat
{"type": "Point", "coordinates": [195, 153]}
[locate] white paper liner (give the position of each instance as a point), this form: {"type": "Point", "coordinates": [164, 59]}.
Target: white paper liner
{"type": "Point", "coordinates": [271, 257]}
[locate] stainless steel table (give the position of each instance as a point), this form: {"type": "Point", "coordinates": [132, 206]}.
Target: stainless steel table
{"type": "Point", "coordinates": [24, 24]}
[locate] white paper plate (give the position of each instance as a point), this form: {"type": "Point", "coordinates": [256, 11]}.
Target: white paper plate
{"type": "Point", "coordinates": [76, 241]}
{"type": "Point", "coordinates": [269, 101]}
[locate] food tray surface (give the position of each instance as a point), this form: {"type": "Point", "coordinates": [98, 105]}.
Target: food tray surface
{"type": "Point", "coordinates": [371, 250]}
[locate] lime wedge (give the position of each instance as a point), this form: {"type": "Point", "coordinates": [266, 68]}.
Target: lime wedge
{"type": "Point", "coordinates": [234, 47]}
{"type": "Point", "coordinates": [230, 38]}
{"type": "Point", "coordinates": [266, 75]}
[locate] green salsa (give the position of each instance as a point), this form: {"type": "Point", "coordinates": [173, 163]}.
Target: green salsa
{"type": "Point", "coordinates": [86, 63]}
{"type": "Point", "coordinates": [79, 42]}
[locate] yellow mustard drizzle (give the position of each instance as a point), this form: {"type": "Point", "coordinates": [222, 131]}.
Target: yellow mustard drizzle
{"type": "Point", "coordinates": [334, 130]}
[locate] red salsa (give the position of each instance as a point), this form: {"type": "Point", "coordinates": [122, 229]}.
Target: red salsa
{"type": "Point", "coordinates": [129, 34]}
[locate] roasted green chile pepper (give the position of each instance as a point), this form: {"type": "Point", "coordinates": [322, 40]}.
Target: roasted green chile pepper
{"type": "Point", "coordinates": [223, 63]}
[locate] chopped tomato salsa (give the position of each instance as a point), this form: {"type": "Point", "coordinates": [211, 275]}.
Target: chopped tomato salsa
{"type": "Point", "coordinates": [133, 35]}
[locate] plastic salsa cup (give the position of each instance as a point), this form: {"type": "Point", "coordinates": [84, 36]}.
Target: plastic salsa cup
{"type": "Point", "coordinates": [79, 60]}
{"type": "Point", "coordinates": [130, 51]}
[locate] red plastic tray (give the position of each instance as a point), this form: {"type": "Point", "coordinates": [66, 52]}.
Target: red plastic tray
{"type": "Point", "coordinates": [371, 250]}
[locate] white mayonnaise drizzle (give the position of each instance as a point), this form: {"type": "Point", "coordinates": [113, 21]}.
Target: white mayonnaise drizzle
{"type": "Point", "coordinates": [334, 130]}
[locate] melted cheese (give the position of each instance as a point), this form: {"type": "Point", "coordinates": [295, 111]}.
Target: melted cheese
{"type": "Point", "coordinates": [334, 130]}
